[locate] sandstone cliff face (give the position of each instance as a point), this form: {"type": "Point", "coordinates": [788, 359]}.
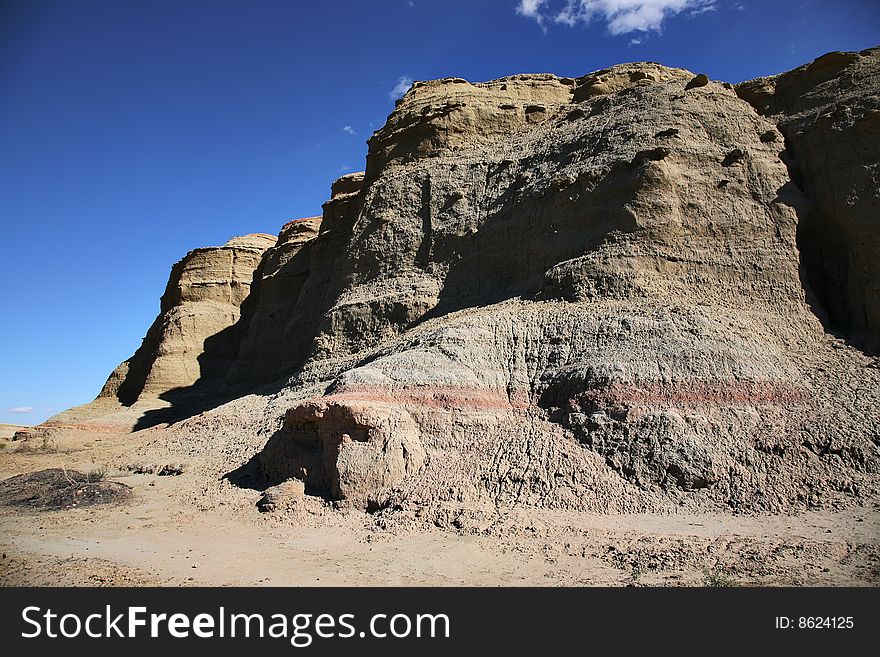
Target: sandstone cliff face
{"type": "Point", "coordinates": [602, 303]}
{"type": "Point", "coordinates": [268, 323]}
{"type": "Point", "coordinates": [573, 293]}
{"type": "Point", "coordinates": [192, 338]}
{"type": "Point", "coordinates": [441, 116]}
{"type": "Point", "coordinates": [829, 112]}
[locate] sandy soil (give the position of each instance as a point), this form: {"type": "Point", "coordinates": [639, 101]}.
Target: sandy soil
{"type": "Point", "coordinates": [197, 530]}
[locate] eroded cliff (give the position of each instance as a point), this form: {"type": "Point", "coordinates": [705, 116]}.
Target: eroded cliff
{"type": "Point", "coordinates": [829, 112]}
{"type": "Point", "coordinates": [600, 293]}
{"type": "Point", "coordinates": [194, 336]}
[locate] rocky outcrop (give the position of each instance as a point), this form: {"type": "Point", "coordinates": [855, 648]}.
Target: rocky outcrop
{"type": "Point", "coordinates": [346, 450]}
{"type": "Point", "coordinates": [829, 112]}
{"type": "Point", "coordinates": [268, 324]}
{"type": "Point", "coordinates": [441, 116]}
{"type": "Point", "coordinates": [614, 287]}
{"type": "Point", "coordinates": [571, 293]}
{"type": "Point", "coordinates": [193, 336]}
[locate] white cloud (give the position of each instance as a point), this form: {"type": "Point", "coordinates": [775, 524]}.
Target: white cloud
{"type": "Point", "coordinates": [22, 410]}
{"type": "Point", "coordinates": [402, 86]}
{"type": "Point", "coordinates": [532, 9]}
{"type": "Point", "coordinates": [635, 42]}
{"type": "Point", "coordinates": [621, 16]}
{"type": "Point", "coordinates": [739, 6]}
{"type": "Point", "coordinates": [702, 9]}
{"type": "Point", "coordinates": [349, 130]}
{"type": "Point", "coordinates": [411, 3]}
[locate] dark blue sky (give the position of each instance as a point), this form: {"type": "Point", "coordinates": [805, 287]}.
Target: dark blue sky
{"type": "Point", "coordinates": [134, 130]}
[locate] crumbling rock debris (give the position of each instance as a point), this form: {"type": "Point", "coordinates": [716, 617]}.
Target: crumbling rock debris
{"type": "Point", "coordinates": [281, 496]}
{"type": "Point", "coordinates": [60, 489]}
{"type": "Point", "coordinates": [167, 470]}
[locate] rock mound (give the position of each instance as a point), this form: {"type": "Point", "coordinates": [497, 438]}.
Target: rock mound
{"type": "Point", "coordinates": [829, 112]}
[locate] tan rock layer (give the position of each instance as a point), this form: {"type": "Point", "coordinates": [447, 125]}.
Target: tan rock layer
{"type": "Point", "coordinates": [193, 338]}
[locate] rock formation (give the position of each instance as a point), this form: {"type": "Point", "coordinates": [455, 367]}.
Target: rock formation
{"type": "Point", "coordinates": [601, 293]}
{"type": "Point", "coordinates": [829, 112]}
{"type": "Point", "coordinates": [279, 279]}
{"type": "Point", "coordinates": [193, 337]}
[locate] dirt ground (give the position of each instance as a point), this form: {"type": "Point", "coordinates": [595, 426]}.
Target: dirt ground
{"type": "Point", "coordinates": [195, 529]}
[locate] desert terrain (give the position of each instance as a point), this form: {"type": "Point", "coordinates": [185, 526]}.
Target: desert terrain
{"type": "Point", "coordinates": [196, 530]}
{"type": "Point", "coordinates": [621, 329]}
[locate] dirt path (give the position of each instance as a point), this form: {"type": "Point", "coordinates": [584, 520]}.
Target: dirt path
{"type": "Point", "coordinates": [195, 529]}
{"type": "Point", "coordinates": [152, 540]}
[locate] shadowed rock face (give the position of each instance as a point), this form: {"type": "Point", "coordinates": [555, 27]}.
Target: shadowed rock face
{"type": "Point", "coordinates": [829, 112]}
{"type": "Point", "coordinates": [573, 293]}
{"type": "Point", "coordinates": [192, 337]}
{"type": "Point", "coordinates": [267, 323]}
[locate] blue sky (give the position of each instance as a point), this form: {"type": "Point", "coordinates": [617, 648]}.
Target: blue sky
{"type": "Point", "coordinates": [134, 130]}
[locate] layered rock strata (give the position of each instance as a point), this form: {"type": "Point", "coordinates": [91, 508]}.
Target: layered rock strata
{"type": "Point", "coordinates": [601, 293]}
{"type": "Point", "coordinates": [829, 112]}
{"type": "Point", "coordinates": [194, 336]}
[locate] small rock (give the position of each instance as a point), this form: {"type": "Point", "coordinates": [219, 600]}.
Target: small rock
{"type": "Point", "coordinates": [733, 157]}
{"type": "Point", "coordinates": [701, 80]}
{"type": "Point", "coordinates": [170, 470]}
{"type": "Point", "coordinates": [282, 496]}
